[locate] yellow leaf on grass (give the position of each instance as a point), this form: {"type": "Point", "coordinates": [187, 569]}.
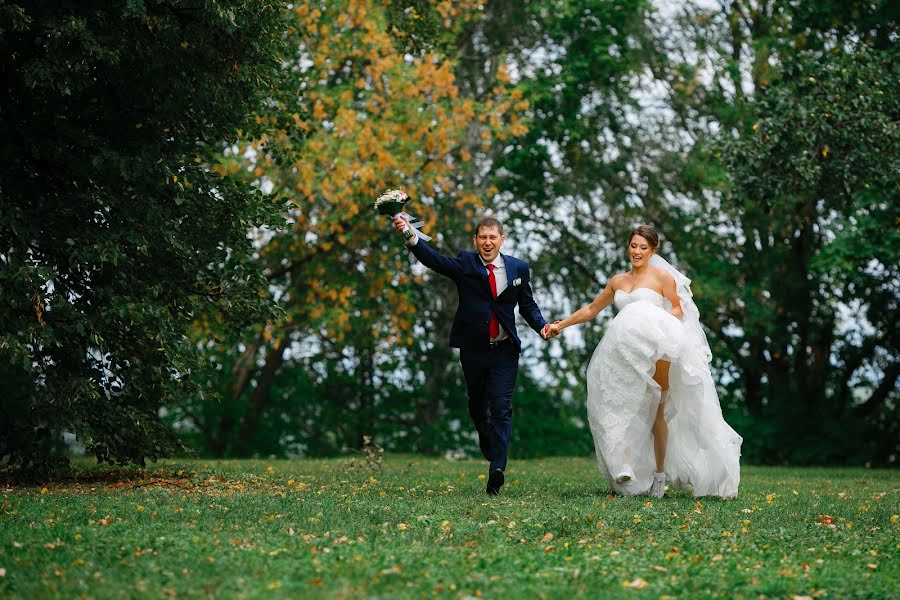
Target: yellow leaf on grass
{"type": "Point", "coordinates": [637, 584]}
{"type": "Point", "coordinates": [547, 537]}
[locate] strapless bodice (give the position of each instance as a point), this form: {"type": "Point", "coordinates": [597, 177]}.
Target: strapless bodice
{"type": "Point", "coordinates": [623, 299]}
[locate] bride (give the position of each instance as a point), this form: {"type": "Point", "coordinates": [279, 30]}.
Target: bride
{"type": "Point", "coordinates": [652, 405]}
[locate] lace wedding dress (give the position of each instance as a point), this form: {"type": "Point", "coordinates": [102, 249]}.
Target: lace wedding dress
{"type": "Point", "coordinates": [703, 452]}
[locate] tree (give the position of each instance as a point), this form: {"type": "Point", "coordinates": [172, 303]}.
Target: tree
{"type": "Point", "coordinates": [114, 234]}
{"type": "Point", "coordinates": [812, 317]}
{"type": "Point", "coordinates": [357, 116]}
{"type": "Point", "coordinates": [764, 219]}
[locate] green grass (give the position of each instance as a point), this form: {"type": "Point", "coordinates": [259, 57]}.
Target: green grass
{"type": "Point", "coordinates": [423, 527]}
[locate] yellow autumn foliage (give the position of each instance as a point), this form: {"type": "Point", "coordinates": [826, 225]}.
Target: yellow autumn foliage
{"type": "Point", "coordinates": [358, 118]}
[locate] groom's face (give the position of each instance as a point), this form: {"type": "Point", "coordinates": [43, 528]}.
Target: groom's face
{"type": "Point", "coordinates": [487, 242]}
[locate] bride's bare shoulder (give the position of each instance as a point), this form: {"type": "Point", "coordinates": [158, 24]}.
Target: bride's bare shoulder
{"type": "Point", "coordinates": [616, 281]}
{"type": "Point", "coordinates": [662, 274]}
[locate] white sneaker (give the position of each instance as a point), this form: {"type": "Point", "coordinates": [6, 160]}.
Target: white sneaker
{"type": "Point", "coordinates": [659, 485]}
{"type": "Point", "coordinates": [625, 475]}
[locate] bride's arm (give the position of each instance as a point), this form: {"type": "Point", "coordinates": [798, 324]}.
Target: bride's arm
{"type": "Point", "coordinates": [586, 313]}
{"type": "Point", "coordinates": [671, 295]}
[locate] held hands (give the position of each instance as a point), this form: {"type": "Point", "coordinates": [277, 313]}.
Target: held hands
{"type": "Point", "coordinates": [550, 330]}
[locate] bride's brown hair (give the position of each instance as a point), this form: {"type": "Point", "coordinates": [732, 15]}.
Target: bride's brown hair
{"type": "Point", "coordinates": [648, 233]}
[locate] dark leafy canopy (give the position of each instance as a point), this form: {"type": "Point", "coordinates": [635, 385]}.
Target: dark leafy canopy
{"type": "Point", "coordinates": [812, 319]}
{"type": "Point", "coordinates": [596, 161]}
{"type": "Point", "coordinates": [780, 216]}
{"type": "Point", "coordinates": [113, 235]}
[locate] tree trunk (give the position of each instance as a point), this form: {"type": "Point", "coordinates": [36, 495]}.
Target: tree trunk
{"type": "Point", "coordinates": [260, 400]}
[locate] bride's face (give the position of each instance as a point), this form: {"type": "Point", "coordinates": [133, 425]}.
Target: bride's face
{"type": "Point", "coordinates": [639, 251]}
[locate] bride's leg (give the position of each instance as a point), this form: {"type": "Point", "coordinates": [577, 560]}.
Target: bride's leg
{"type": "Point", "coordinates": [660, 429]}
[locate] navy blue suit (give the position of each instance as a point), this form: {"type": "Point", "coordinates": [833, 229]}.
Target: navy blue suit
{"type": "Point", "coordinates": [490, 370]}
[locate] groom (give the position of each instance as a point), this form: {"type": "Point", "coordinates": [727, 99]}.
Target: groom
{"type": "Point", "coordinates": [490, 285]}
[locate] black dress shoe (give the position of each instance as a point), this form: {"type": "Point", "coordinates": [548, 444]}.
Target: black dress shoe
{"type": "Point", "coordinates": [495, 482]}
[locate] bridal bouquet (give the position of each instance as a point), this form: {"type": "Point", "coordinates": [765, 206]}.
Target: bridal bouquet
{"type": "Point", "coordinates": [391, 204]}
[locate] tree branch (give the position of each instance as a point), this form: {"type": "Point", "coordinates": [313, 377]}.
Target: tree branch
{"type": "Point", "coordinates": [881, 392]}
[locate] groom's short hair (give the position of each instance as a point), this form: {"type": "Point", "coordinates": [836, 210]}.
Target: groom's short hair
{"type": "Point", "coordinates": [489, 222]}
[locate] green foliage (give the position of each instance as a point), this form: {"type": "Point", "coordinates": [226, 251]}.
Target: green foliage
{"type": "Point", "coordinates": [814, 296]}
{"type": "Point", "coordinates": [114, 235]}
{"type": "Point", "coordinates": [547, 423]}
{"type": "Point", "coordinates": [790, 250]}
{"type": "Point", "coordinates": [360, 349]}
{"type": "Point", "coordinates": [425, 528]}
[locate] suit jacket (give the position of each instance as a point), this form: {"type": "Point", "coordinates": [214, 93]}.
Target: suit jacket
{"type": "Point", "coordinates": [476, 303]}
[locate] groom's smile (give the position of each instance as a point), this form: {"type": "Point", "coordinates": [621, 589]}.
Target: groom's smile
{"type": "Point", "coordinates": [488, 241]}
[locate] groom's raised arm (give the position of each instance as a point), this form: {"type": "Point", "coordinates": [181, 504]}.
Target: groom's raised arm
{"type": "Point", "coordinates": [528, 308]}
{"type": "Point", "coordinates": [428, 256]}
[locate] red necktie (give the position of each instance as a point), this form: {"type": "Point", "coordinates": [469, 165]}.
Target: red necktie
{"type": "Point", "coordinates": [494, 327]}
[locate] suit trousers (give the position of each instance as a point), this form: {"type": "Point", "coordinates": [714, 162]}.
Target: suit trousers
{"type": "Point", "coordinates": [490, 375]}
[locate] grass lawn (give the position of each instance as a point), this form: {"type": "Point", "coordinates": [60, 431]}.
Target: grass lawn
{"type": "Point", "coordinates": [423, 527]}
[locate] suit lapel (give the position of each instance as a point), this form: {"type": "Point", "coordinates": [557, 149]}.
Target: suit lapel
{"type": "Point", "coordinates": [507, 264]}
{"type": "Point", "coordinates": [510, 275]}
{"type": "Point", "coordinates": [483, 273]}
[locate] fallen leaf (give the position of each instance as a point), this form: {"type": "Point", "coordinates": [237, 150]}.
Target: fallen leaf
{"type": "Point", "coordinates": [637, 584]}
{"type": "Point", "coordinates": [547, 537]}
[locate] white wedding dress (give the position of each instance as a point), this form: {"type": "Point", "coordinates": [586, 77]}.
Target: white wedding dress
{"type": "Point", "coordinates": [703, 452]}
